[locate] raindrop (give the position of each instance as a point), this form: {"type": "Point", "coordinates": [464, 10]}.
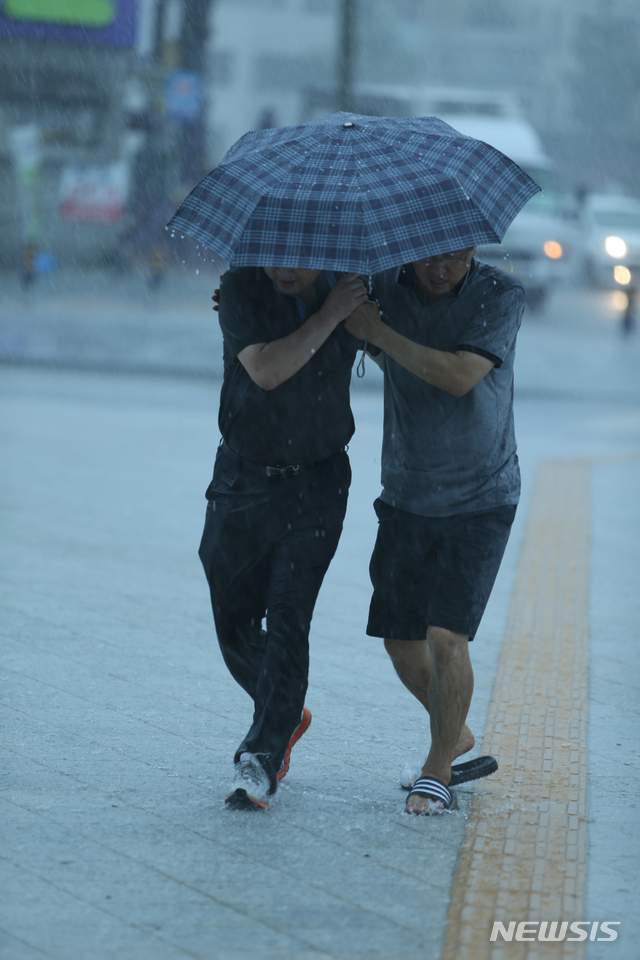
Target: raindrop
{"type": "Point", "coordinates": [197, 271]}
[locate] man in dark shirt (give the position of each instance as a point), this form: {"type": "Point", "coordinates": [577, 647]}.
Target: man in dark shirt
{"type": "Point", "coordinates": [451, 482]}
{"type": "Point", "coordinates": [278, 495]}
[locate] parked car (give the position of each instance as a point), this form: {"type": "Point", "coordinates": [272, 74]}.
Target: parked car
{"type": "Point", "coordinates": [539, 246]}
{"type": "Point", "coordinates": [611, 240]}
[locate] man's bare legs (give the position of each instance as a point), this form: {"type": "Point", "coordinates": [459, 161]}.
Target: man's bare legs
{"type": "Point", "coordinates": [438, 672]}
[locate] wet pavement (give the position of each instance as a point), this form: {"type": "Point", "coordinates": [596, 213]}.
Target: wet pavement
{"type": "Point", "coordinates": [120, 720]}
{"type": "Point", "coordinates": [106, 321]}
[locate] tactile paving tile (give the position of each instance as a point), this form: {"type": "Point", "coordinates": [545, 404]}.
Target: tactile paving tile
{"type": "Point", "coordinates": [524, 854]}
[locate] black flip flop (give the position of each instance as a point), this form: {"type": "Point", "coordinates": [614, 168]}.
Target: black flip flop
{"type": "Point", "coordinates": [471, 770]}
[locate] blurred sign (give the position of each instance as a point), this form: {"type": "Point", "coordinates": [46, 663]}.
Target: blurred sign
{"type": "Point", "coordinates": [96, 194]}
{"type": "Point", "coordinates": [183, 95]}
{"type": "Point", "coordinates": [102, 22]}
{"type": "Point", "coordinates": [24, 144]}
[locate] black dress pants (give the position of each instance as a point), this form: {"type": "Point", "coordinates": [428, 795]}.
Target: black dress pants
{"type": "Point", "coordinates": [266, 546]}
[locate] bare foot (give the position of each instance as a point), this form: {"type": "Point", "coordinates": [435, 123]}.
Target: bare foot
{"type": "Point", "coordinates": [425, 805]}
{"type": "Point", "coordinates": [419, 804]}
{"type": "Point", "coordinates": [465, 742]}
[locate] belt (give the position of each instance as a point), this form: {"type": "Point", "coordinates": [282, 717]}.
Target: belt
{"type": "Point", "coordinates": [278, 470]}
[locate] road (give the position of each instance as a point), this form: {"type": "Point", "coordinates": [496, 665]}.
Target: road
{"type": "Point", "coordinates": [105, 321]}
{"type": "Point", "coordinates": [120, 720]}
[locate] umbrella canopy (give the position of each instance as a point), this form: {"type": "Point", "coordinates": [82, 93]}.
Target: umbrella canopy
{"type": "Point", "coordinates": [354, 193]}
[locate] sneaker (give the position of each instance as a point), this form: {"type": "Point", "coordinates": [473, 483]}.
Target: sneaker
{"type": "Point", "coordinates": [251, 787]}
{"type": "Point", "coordinates": [302, 727]}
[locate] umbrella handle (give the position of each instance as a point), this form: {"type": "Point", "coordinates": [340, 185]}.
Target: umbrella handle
{"type": "Point", "coordinates": [360, 371]}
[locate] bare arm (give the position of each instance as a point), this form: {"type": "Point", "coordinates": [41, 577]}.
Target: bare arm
{"type": "Point", "coordinates": [270, 364]}
{"type": "Point", "coordinates": [457, 373]}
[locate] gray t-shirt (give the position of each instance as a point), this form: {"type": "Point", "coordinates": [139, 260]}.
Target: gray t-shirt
{"type": "Point", "coordinates": [443, 455]}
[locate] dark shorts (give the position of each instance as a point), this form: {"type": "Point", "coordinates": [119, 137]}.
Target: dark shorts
{"type": "Point", "coordinates": [434, 571]}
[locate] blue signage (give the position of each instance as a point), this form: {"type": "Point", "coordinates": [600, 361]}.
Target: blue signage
{"type": "Point", "coordinates": [183, 95]}
{"type": "Point", "coordinates": [99, 22]}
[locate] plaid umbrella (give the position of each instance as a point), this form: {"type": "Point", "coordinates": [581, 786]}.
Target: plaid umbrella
{"type": "Point", "coordinates": [353, 193]}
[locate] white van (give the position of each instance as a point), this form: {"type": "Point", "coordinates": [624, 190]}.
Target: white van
{"type": "Point", "coordinates": [538, 245]}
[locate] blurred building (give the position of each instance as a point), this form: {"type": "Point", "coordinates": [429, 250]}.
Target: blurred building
{"type": "Point", "coordinates": [107, 119]}
{"type": "Point", "coordinates": [63, 164]}
{"type": "Point", "coordinates": [101, 124]}
{"type": "Point", "coordinates": [263, 55]}
{"type": "Point", "coordinates": [601, 137]}
{"type": "Point", "coordinates": [573, 66]}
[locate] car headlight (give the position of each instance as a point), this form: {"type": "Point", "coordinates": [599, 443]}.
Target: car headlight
{"type": "Point", "coordinates": [553, 249]}
{"type": "Point", "coordinates": [622, 275]}
{"type": "Point", "coordinates": [615, 247]}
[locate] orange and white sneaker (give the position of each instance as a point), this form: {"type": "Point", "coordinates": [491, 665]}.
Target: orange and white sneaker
{"type": "Point", "coordinates": [302, 727]}
{"type": "Point", "coordinates": [250, 789]}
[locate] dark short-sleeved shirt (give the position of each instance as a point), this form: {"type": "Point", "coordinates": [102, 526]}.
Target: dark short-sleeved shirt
{"type": "Point", "coordinates": [306, 418]}
{"type": "Point", "coordinates": [444, 455]}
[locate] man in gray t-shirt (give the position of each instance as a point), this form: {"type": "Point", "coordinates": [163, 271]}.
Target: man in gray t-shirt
{"type": "Point", "coordinates": [451, 481]}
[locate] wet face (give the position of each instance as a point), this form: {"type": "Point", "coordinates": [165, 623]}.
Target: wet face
{"type": "Point", "coordinates": [441, 275]}
{"type": "Point", "coordinates": [293, 281]}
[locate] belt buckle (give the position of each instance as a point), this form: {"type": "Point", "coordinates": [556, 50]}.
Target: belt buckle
{"type": "Point", "coordinates": [291, 471]}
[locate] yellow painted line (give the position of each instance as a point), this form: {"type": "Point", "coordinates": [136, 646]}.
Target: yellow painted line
{"type": "Point", "coordinates": [524, 854]}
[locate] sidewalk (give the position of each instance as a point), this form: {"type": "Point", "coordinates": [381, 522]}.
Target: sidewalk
{"type": "Point", "coordinates": [120, 720]}
{"type": "Point", "coordinates": [104, 320]}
